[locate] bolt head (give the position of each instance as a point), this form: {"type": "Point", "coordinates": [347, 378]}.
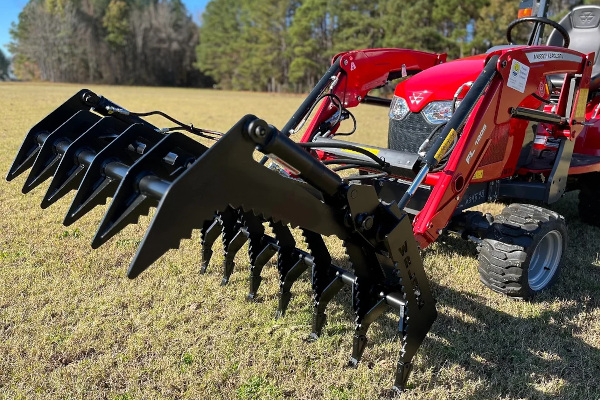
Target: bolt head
{"type": "Point", "coordinates": [367, 222]}
{"type": "Point", "coordinates": [260, 131]}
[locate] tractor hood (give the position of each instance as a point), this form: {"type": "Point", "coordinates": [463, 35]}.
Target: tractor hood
{"type": "Point", "coordinates": [440, 82]}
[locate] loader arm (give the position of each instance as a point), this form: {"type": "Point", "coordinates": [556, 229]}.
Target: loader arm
{"type": "Point", "coordinates": [482, 112]}
{"type": "Point", "coordinates": [355, 73]}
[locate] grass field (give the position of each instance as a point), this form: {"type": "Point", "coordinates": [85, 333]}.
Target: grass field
{"type": "Point", "coordinates": [73, 326]}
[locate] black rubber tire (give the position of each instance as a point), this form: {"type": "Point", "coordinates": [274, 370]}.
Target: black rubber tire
{"type": "Point", "coordinates": [589, 199]}
{"type": "Point", "coordinates": [505, 255]}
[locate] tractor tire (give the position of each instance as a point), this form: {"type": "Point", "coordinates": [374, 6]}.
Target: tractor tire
{"type": "Point", "coordinates": [589, 199]}
{"type": "Point", "coordinates": [522, 253]}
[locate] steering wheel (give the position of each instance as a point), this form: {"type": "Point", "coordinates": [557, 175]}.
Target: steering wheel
{"type": "Point", "coordinates": [563, 32]}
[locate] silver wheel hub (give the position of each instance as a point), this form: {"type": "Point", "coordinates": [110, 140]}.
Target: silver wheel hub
{"type": "Point", "coordinates": [545, 260]}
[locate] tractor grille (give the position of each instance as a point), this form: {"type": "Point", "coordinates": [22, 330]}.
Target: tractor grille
{"type": "Point", "coordinates": [409, 133]}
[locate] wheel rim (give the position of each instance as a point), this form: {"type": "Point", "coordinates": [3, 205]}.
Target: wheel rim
{"type": "Point", "coordinates": [545, 260]}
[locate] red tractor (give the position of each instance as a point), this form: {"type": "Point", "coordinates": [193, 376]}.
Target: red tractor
{"type": "Point", "coordinates": [519, 123]}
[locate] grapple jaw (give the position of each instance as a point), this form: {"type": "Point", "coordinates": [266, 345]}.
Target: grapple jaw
{"type": "Point", "coordinates": [215, 182]}
{"type": "Point", "coordinates": [224, 191]}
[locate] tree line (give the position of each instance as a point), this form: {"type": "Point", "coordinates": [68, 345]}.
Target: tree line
{"type": "Point", "coordinates": [266, 45]}
{"type": "Point", "coordinates": [145, 42]}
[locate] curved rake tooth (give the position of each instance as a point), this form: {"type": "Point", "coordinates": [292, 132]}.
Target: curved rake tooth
{"type": "Point", "coordinates": [55, 145]}
{"type": "Point", "coordinates": [108, 168]}
{"type": "Point", "coordinates": [209, 233]}
{"type": "Point", "coordinates": [146, 181]}
{"type": "Point", "coordinates": [261, 248]}
{"type": "Point", "coordinates": [30, 149]}
{"type": "Point", "coordinates": [37, 135]}
{"type": "Point", "coordinates": [79, 155]}
{"type": "Point", "coordinates": [233, 238]}
{"type": "Point", "coordinates": [325, 282]}
{"type": "Point", "coordinates": [290, 265]}
{"type": "Point", "coordinates": [366, 302]}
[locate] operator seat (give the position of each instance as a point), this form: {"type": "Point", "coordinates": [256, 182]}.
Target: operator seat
{"type": "Point", "coordinates": [583, 26]}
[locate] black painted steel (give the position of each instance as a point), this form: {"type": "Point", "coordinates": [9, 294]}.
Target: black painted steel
{"type": "Point", "coordinates": [190, 183]}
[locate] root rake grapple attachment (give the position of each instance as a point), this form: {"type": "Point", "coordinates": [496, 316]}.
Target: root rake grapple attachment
{"type": "Point", "coordinates": [127, 159]}
{"type": "Point", "coordinates": [403, 198]}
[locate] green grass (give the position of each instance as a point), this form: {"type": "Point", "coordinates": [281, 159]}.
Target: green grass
{"type": "Point", "coordinates": [73, 326]}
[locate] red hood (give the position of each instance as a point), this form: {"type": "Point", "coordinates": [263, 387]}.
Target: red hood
{"type": "Point", "coordinates": [439, 82]}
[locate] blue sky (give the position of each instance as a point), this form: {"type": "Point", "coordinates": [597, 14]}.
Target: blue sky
{"type": "Point", "coordinates": [10, 9]}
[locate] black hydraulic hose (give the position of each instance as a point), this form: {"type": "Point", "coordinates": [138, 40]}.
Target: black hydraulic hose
{"type": "Point", "coordinates": [351, 163]}
{"type": "Point", "coordinates": [345, 146]}
{"type": "Point", "coordinates": [450, 132]}
{"type": "Point", "coordinates": [366, 176]}
{"type": "Point", "coordinates": [311, 98]}
{"type": "Point", "coordinates": [459, 118]}
{"type": "Point", "coordinates": [309, 101]}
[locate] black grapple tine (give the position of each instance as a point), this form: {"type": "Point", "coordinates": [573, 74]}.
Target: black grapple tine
{"type": "Point", "coordinates": [146, 181]}
{"type": "Point", "coordinates": [417, 310]}
{"type": "Point", "coordinates": [214, 182]}
{"type": "Point", "coordinates": [191, 183]}
{"type": "Point", "coordinates": [233, 237]}
{"type": "Point", "coordinates": [261, 249]}
{"type": "Point", "coordinates": [325, 282]}
{"type": "Point", "coordinates": [37, 134]}
{"type": "Point", "coordinates": [108, 168]}
{"type": "Point", "coordinates": [366, 302]}
{"type": "Point", "coordinates": [54, 146]}
{"type": "Point", "coordinates": [378, 236]}
{"type": "Point", "coordinates": [79, 155]}
{"type": "Point", "coordinates": [209, 233]}
{"type": "Point", "coordinates": [290, 265]}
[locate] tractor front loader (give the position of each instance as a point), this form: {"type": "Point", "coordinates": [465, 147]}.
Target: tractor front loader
{"type": "Point", "coordinates": [400, 201]}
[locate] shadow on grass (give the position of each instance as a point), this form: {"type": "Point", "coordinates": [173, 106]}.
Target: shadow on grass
{"type": "Point", "coordinates": [538, 356]}
{"type": "Point", "coordinates": [506, 348]}
{"type": "Point", "coordinates": [514, 349]}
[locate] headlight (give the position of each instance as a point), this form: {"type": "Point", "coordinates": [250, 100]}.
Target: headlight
{"type": "Point", "coordinates": [437, 112]}
{"type": "Point", "coordinates": [398, 108]}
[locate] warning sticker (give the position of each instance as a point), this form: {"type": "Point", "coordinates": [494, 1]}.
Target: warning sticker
{"type": "Point", "coordinates": [370, 150]}
{"type": "Point", "coordinates": [581, 104]}
{"type": "Point", "coordinates": [517, 79]}
{"type": "Point", "coordinates": [445, 145]}
{"type": "Point", "coordinates": [478, 174]}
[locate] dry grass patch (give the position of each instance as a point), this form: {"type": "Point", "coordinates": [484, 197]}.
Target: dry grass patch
{"type": "Point", "coordinates": [73, 326]}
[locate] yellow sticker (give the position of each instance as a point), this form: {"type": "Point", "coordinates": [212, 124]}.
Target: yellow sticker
{"type": "Point", "coordinates": [445, 145]}
{"type": "Point", "coordinates": [581, 103]}
{"type": "Point", "coordinates": [478, 174]}
{"type": "Point", "coordinates": [374, 151]}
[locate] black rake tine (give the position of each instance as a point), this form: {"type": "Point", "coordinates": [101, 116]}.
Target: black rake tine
{"type": "Point", "coordinates": [78, 157]}
{"type": "Point", "coordinates": [50, 153]}
{"type": "Point", "coordinates": [325, 282]}
{"type": "Point", "coordinates": [104, 174]}
{"type": "Point", "coordinates": [209, 233]}
{"type": "Point", "coordinates": [135, 195]}
{"type": "Point", "coordinates": [366, 304]}
{"type": "Point", "coordinates": [233, 240]}
{"type": "Point", "coordinates": [38, 133]}
{"type": "Point", "coordinates": [261, 248]}
{"type": "Point", "coordinates": [290, 265]}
